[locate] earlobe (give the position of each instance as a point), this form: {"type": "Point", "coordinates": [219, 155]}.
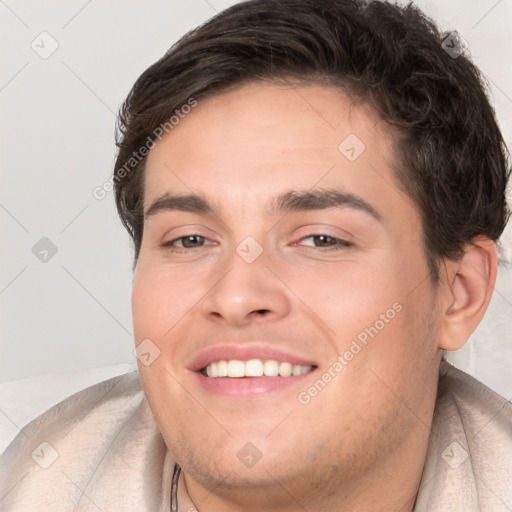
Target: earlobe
{"type": "Point", "coordinates": [469, 286]}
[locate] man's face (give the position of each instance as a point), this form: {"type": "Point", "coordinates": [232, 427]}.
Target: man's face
{"type": "Point", "coordinates": [291, 282]}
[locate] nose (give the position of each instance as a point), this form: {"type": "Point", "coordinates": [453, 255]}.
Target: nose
{"type": "Point", "coordinates": [246, 293]}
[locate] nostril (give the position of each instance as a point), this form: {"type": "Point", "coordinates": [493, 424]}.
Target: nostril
{"type": "Point", "coordinates": [261, 311]}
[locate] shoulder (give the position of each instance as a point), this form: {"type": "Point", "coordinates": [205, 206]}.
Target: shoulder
{"type": "Point", "coordinates": [469, 459]}
{"type": "Point", "coordinates": [88, 451]}
{"type": "Point", "coordinates": [477, 405]}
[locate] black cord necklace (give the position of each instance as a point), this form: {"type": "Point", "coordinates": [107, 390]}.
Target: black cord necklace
{"type": "Point", "coordinates": [174, 488]}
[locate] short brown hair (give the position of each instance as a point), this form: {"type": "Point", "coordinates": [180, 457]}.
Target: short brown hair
{"type": "Point", "coordinates": [451, 157]}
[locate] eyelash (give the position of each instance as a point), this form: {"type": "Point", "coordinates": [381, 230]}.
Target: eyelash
{"type": "Point", "coordinates": [340, 243]}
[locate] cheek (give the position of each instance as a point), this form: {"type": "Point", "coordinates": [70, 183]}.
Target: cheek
{"type": "Point", "coordinates": [159, 300]}
{"type": "Point", "coordinates": [380, 310]}
{"type": "Point", "coordinates": [347, 297]}
{"type": "Point", "coordinates": [157, 306]}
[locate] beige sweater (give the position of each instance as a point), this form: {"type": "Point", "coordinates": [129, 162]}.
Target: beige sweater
{"type": "Point", "coordinates": [100, 450]}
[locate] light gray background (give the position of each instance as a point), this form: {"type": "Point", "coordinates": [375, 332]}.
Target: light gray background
{"type": "Point", "coordinates": [57, 143]}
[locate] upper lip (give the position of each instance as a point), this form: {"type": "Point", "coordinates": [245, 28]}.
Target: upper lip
{"type": "Point", "coordinates": [244, 352]}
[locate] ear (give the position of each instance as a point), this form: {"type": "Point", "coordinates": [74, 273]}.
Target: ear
{"type": "Point", "coordinates": [468, 286]}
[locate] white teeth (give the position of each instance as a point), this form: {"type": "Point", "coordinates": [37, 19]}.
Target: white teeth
{"type": "Point", "coordinates": [254, 368]}
{"type": "Point", "coordinates": [222, 369]}
{"type": "Point", "coordinates": [299, 370]}
{"type": "Point", "coordinates": [271, 368]}
{"type": "Point", "coordinates": [285, 369]}
{"type": "Point", "coordinates": [236, 368]}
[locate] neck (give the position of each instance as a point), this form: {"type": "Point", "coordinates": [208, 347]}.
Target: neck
{"type": "Point", "coordinates": [388, 488]}
{"type": "Point", "coordinates": [385, 479]}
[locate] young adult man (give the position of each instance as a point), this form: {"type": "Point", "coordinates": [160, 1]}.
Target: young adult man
{"type": "Point", "coordinates": [314, 191]}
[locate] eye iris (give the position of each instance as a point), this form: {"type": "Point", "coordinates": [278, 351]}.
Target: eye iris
{"type": "Point", "coordinates": [192, 240]}
{"type": "Point", "coordinates": [324, 240]}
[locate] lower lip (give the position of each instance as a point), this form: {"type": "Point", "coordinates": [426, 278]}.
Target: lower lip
{"type": "Point", "coordinates": [247, 387]}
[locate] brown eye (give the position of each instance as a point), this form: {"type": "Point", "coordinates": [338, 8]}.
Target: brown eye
{"type": "Point", "coordinates": [327, 242]}
{"type": "Point", "coordinates": [187, 242]}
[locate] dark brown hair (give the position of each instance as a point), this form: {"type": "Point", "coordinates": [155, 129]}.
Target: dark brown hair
{"type": "Point", "coordinates": [451, 157]}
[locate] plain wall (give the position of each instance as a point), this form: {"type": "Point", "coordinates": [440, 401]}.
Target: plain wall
{"type": "Point", "coordinates": [57, 144]}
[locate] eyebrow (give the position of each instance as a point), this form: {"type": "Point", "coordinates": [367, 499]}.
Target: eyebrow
{"type": "Point", "coordinates": [291, 201]}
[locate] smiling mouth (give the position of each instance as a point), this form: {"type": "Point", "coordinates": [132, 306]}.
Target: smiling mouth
{"type": "Point", "coordinates": [237, 369]}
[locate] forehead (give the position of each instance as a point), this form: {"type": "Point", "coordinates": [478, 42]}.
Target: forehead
{"type": "Point", "coordinates": [303, 117]}
{"type": "Point", "coordinates": [266, 137]}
